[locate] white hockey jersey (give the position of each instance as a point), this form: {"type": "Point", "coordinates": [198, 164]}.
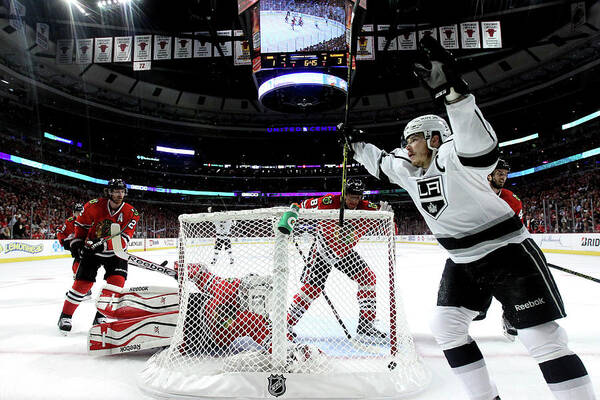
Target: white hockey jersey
{"type": "Point", "coordinates": [223, 228]}
{"type": "Point", "coordinates": [467, 218]}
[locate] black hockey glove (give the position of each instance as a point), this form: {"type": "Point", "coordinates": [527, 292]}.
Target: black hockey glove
{"type": "Point", "coordinates": [93, 246]}
{"type": "Point", "coordinates": [436, 68]}
{"type": "Point", "coordinates": [348, 134]}
{"type": "Point", "coordinates": [76, 248]}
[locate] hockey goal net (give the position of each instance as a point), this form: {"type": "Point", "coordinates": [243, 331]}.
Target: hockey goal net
{"type": "Point", "coordinates": [314, 314]}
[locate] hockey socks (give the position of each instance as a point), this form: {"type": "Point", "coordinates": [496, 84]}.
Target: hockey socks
{"type": "Point", "coordinates": [75, 296]}
{"type": "Point", "coordinates": [563, 370]}
{"type": "Point", "coordinates": [301, 303]}
{"type": "Point", "coordinates": [366, 294]}
{"type": "Point", "coordinates": [469, 366]}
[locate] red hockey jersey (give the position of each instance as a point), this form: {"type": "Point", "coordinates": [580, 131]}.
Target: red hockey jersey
{"type": "Point", "coordinates": [66, 230]}
{"type": "Point", "coordinates": [513, 201]}
{"type": "Point", "coordinates": [340, 240]}
{"type": "Point", "coordinates": [96, 219]}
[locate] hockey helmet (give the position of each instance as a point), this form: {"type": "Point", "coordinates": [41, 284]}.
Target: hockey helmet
{"type": "Point", "coordinates": [78, 207]}
{"type": "Point", "coordinates": [427, 125]}
{"type": "Point", "coordinates": [502, 164]}
{"type": "Point", "coordinates": [114, 184]}
{"type": "Point", "coordinates": [355, 186]}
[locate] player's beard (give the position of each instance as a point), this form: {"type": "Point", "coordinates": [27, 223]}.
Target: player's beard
{"type": "Point", "coordinates": [495, 185]}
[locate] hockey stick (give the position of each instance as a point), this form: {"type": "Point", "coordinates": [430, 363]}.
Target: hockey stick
{"type": "Point", "coordinates": [579, 274]}
{"type": "Point", "coordinates": [351, 55]}
{"type": "Point", "coordinates": [327, 299]}
{"type": "Point", "coordinates": [135, 260]}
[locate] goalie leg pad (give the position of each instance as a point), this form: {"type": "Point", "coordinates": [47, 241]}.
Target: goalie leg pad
{"type": "Point", "coordinates": [120, 303]}
{"type": "Point", "coordinates": [133, 334]}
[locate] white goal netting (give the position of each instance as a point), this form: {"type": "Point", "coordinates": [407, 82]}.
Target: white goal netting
{"type": "Point", "coordinates": [314, 314]}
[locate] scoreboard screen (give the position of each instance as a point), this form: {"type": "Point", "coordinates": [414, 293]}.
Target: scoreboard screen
{"type": "Point", "coordinates": [305, 60]}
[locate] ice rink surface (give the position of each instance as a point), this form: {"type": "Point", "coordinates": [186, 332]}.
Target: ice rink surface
{"type": "Point", "coordinates": [36, 362]}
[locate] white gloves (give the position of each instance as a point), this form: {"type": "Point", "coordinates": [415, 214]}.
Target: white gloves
{"type": "Point", "coordinates": [385, 206]}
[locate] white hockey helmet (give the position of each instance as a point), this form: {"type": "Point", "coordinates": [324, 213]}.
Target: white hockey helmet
{"type": "Point", "coordinates": [427, 124]}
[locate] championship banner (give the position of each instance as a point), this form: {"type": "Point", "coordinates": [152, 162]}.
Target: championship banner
{"type": "Point", "coordinates": [241, 50]}
{"type": "Point", "coordinates": [407, 40]}
{"type": "Point", "coordinates": [143, 48]}
{"type": "Point", "coordinates": [123, 48]}
{"type": "Point", "coordinates": [64, 51]}
{"type": "Point", "coordinates": [42, 33]}
{"type": "Point", "coordinates": [162, 47]}
{"type": "Point", "coordinates": [366, 45]}
{"type": "Point", "coordinates": [16, 11]}
{"type": "Point", "coordinates": [492, 38]}
{"type": "Point", "coordinates": [382, 41]}
{"type": "Point", "coordinates": [183, 47]}
{"type": "Point", "coordinates": [202, 48]}
{"type": "Point", "coordinates": [470, 35]}
{"type": "Point", "coordinates": [428, 32]}
{"type": "Point", "coordinates": [449, 37]}
{"type": "Point", "coordinates": [226, 47]}
{"type": "Point", "coordinates": [103, 50]}
{"type": "Point", "coordinates": [83, 51]}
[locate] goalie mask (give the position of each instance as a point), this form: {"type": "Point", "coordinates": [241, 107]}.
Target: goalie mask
{"type": "Point", "coordinates": [428, 125]}
{"type": "Point", "coordinates": [255, 294]}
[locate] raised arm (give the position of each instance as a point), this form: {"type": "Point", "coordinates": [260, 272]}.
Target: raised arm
{"type": "Point", "coordinates": [394, 167]}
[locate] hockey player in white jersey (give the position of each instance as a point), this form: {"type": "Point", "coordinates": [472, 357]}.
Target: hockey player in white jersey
{"type": "Point", "coordinates": [491, 253]}
{"type": "Point", "coordinates": [223, 241]}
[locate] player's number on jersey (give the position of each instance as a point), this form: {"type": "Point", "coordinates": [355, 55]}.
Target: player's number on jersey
{"type": "Point", "coordinates": [131, 224]}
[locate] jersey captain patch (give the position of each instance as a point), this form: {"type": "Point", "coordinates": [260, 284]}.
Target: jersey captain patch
{"type": "Point", "coordinates": [432, 196]}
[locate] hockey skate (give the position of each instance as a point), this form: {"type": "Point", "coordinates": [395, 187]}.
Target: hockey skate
{"type": "Point", "coordinates": [366, 332]}
{"type": "Point", "coordinates": [64, 323]}
{"type": "Point", "coordinates": [99, 319]}
{"type": "Point", "coordinates": [509, 331]}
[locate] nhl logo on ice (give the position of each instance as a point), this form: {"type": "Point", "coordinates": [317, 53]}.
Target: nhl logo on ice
{"type": "Point", "coordinates": [276, 385]}
{"type": "Point", "coordinates": [431, 193]}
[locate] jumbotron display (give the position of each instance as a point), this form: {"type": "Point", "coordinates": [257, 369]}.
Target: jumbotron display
{"type": "Point", "coordinates": [302, 26]}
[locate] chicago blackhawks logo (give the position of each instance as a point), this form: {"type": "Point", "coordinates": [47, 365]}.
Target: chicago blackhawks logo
{"type": "Point", "coordinates": [431, 193]}
{"type": "Point", "coordinates": [103, 228]}
{"type": "Point", "coordinates": [276, 385]}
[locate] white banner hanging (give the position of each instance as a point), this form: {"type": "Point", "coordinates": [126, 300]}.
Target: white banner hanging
{"type": "Point", "coordinates": [469, 32]}
{"type": "Point", "coordinates": [123, 48]}
{"type": "Point", "coordinates": [143, 48]}
{"type": "Point", "coordinates": [366, 45]}
{"type": "Point", "coordinates": [226, 47]}
{"type": "Point", "coordinates": [241, 50]}
{"type": "Point", "coordinates": [103, 50]}
{"type": "Point", "coordinates": [83, 51]}
{"type": "Point", "coordinates": [449, 37]}
{"type": "Point", "coordinates": [162, 47]}
{"type": "Point", "coordinates": [202, 48]}
{"type": "Point", "coordinates": [64, 51]}
{"type": "Point", "coordinates": [492, 37]}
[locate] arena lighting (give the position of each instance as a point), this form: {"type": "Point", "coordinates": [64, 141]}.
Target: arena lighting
{"type": "Point", "coordinates": [76, 175]}
{"type": "Point", "coordinates": [566, 160]}
{"type": "Point", "coordinates": [57, 138]}
{"type": "Point", "coordinates": [147, 158]}
{"type": "Point", "coordinates": [299, 79]}
{"type": "Point", "coordinates": [185, 152]}
{"type": "Point", "coordinates": [519, 140]}
{"type": "Point", "coordinates": [78, 5]}
{"type": "Point", "coordinates": [4, 81]}
{"type": "Point", "coordinates": [581, 120]}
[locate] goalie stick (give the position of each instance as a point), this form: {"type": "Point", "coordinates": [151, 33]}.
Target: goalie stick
{"type": "Point", "coordinates": [135, 260]}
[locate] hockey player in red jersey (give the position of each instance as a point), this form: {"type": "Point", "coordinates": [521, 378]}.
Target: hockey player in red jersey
{"type": "Point", "coordinates": [334, 247]}
{"type": "Point", "coordinates": [234, 307]}
{"type": "Point", "coordinates": [497, 181]}
{"type": "Point", "coordinates": [92, 229]}
{"type": "Point", "coordinates": [66, 233]}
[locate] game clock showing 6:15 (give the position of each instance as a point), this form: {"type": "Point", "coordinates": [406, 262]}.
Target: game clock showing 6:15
{"type": "Point", "coordinates": [305, 60]}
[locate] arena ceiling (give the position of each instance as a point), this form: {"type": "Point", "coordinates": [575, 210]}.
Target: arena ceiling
{"type": "Point", "coordinates": [543, 42]}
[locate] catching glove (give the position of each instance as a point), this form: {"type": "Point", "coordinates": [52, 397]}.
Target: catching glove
{"type": "Point", "coordinates": [436, 69]}
{"type": "Point", "coordinates": [385, 206]}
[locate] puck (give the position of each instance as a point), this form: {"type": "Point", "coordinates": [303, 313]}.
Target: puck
{"type": "Point", "coordinates": [392, 365]}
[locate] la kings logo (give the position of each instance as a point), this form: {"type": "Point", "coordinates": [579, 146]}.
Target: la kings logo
{"type": "Point", "coordinates": [431, 193]}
